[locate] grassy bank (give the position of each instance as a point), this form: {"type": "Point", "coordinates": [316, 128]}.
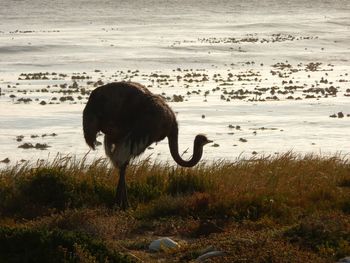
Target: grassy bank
{"type": "Point", "coordinates": [276, 209]}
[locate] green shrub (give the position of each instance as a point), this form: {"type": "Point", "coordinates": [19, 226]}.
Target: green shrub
{"type": "Point", "coordinates": [345, 206]}
{"type": "Point", "coordinates": [194, 205]}
{"type": "Point", "coordinates": [345, 183]}
{"type": "Point", "coordinates": [50, 189]}
{"type": "Point", "coordinates": [327, 235]}
{"type": "Point", "coordinates": [92, 194]}
{"type": "Point", "coordinates": [261, 206]}
{"type": "Point", "coordinates": [141, 192]}
{"type": "Point", "coordinates": [163, 207]}
{"type": "Point", "coordinates": [21, 245]}
{"type": "Point", "coordinates": [147, 189]}
{"type": "Point", "coordinates": [187, 183]}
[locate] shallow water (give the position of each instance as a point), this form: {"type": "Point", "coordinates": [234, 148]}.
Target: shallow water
{"type": "Point", "coordinates": [247, 39]}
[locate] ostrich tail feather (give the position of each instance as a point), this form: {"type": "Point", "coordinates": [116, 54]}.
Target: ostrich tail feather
{"type": "Point", "coordinates": [90, 126]}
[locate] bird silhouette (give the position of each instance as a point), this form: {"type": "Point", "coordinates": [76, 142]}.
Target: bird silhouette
{"type": "Point", "coordinates": [132, 118]}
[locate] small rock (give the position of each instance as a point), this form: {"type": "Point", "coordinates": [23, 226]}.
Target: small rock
{"type": "Point", "coordinates": [243, 140]}
{"type": "Point", "coordinates": [340, 115]}
{"type": "Point", "coordinates": [163, 244]}
{"type": "Point", "coordinates": [177, 98]}
{"type": "Point", "coordinates": [344, 260]}
{"type": "Point", "coordinates": [6, 160]}
{"type": "Point", "coordinates": [26, 145]}
{"type": "Point", "coordinates": [19, 138]}
{"type": "Point", "coordinates": [333, 116]}
{"type": "Point", "coordinates": [41, 146]}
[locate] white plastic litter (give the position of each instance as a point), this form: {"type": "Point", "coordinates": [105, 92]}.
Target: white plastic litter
{"type": "Point", "coordinates": [163, 244]}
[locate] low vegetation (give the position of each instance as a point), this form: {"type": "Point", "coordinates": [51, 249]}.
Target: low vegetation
{"type": "Point", "coordinates": [286, 208]}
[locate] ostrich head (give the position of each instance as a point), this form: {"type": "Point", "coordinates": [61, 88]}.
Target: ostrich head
{"type": "Point", "coordinates": [201, 140]}
{"type": "Point", "coordinates": [198, 144]}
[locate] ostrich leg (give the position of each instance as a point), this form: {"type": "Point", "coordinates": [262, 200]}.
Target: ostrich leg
{"type": "Point", "coordinates": [121, 196]}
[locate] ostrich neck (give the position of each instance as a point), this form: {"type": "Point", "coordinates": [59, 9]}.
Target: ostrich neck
{"type": "Point", "coordinates": [174, 150]}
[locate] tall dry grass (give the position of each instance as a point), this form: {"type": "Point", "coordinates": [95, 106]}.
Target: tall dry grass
{"type": "Point", "coordinates": [292, 201]}
{"type": "Point", "coordinates": [285, 181]}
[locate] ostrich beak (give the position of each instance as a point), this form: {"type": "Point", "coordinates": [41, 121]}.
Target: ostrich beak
{"type": "Point", "coordinates": [209, 141]}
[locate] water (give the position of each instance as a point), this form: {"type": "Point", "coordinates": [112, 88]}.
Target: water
{"type": "Point", "coordinates": [133, 40]}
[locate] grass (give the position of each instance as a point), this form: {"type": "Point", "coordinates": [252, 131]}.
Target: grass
{"type": "Point", "coordinates": [287, 208]}
{"type": "Point", "coordinates": [21, 244]}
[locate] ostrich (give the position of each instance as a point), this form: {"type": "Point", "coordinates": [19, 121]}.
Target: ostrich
{"type": "Point", "coordinates": [132, 118]}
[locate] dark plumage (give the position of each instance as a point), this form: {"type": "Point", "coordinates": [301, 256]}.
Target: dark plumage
{"type": "Point", "coordinates": [132, 118]}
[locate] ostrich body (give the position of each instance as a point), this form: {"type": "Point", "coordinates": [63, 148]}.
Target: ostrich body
{"type": "Point", "coordinates": [132, 118]}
